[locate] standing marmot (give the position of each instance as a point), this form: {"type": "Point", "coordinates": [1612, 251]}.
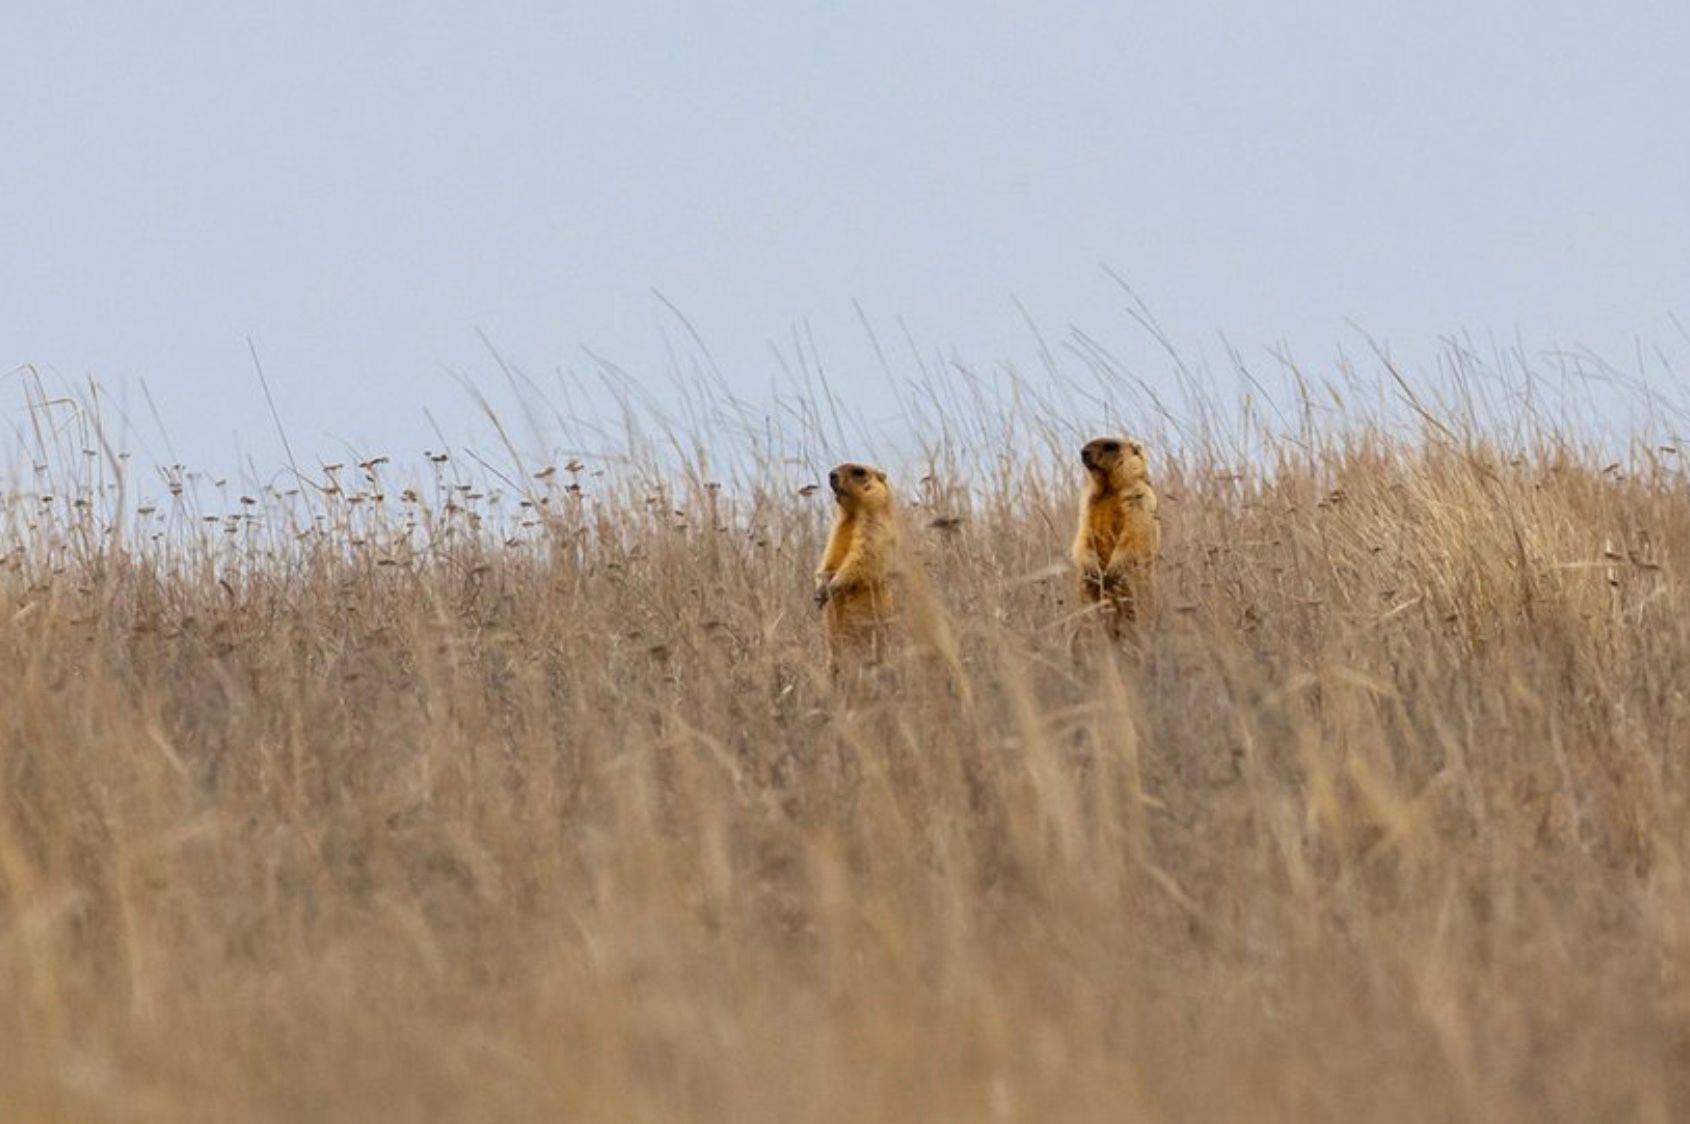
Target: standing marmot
{"type": "Point", "coordinates": [854, 580]}
{"type": "Point", "coordinates": [1115, 549]}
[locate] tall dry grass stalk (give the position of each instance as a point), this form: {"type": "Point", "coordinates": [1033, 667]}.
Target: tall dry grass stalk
{"type": "Point", "coordinates": [388, 800]}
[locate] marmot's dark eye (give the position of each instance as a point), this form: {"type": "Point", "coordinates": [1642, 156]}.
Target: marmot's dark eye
{"type": "Point", "coordinates": [1111, 446]}
{"type": "Point", "coordinates": [859, 472]}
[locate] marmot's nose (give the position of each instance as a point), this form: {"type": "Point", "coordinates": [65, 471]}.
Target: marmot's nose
{"type": "Point", "coordinates": [833, 479]}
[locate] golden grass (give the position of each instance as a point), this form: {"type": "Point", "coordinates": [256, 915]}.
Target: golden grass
{"type": "Point", "coordinates": [383, 818]}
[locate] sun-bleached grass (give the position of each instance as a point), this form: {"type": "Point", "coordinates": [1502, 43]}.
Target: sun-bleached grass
{"type": "Point", "coordinates": [382, 797]}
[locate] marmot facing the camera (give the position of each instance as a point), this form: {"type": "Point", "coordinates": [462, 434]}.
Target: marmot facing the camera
{"type": "Point", "coordinates": [1115, 549]}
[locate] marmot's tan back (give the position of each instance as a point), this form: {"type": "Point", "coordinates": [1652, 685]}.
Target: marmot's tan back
{"type": "Point", "coordinates": [1115, 547]}
{"type": "Point", "coordinates": [854, 580]}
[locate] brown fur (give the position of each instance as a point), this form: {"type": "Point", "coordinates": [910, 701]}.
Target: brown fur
{"type": "Point", "coordinates": [854, 581]}
{"type": "Point", "coordinates": [1119, 534]}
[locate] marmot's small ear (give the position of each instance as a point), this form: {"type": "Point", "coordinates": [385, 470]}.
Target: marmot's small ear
{"type": "Point", "coordinates": [882, 476]}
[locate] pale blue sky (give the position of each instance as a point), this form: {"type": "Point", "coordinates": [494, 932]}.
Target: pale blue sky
{"type": "Point", "coordinates": [360, 186]}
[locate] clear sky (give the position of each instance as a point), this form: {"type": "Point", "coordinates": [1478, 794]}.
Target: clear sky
{"type": "Point", "coordinates": [359, 187]}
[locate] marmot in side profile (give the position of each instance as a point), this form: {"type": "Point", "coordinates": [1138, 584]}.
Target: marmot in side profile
{"type": "Point", "coordinates": [854, 580]}
{"type": "Point", "coordinates": [1115, 549]}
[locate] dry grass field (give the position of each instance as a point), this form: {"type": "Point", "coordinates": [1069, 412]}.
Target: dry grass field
{"type": "Point", "coordinates": [390, 798]}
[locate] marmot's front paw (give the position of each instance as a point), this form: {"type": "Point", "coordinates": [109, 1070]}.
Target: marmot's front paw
{"type": "Point", "coordinates": [822, 594]}
{"type": "Point", "coordinates": [1121, 573]}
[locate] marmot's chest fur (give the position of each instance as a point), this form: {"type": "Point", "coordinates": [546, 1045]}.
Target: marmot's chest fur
{"type": "Point", "coordinates": [1122, 523]}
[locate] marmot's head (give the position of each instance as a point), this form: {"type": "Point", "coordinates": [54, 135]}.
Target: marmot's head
{"type": "Point", "coordinates": [860, 487]}
{"type": "Point", "coordinates": [1114, 461]}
